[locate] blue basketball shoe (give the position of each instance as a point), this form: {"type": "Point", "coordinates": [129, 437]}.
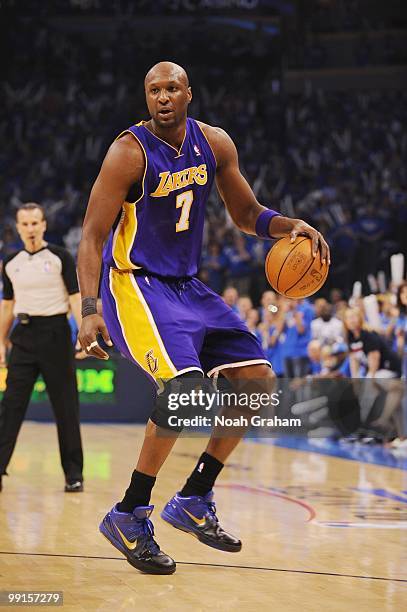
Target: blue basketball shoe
{"type": "Point", "coordinates": [132, 534]}
{"type": "Point", "coordinates": [197, 515]}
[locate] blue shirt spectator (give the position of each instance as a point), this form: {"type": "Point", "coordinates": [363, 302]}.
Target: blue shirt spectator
{"type": "Point", "coordinates": [298, 330]}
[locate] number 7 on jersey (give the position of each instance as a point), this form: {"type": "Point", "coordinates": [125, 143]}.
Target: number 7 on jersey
{"type": "Point", "coordinates": [184, 201]}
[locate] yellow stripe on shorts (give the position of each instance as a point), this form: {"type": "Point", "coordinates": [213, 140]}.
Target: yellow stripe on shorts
{"type": "Point", "coordinates": [138, 326]}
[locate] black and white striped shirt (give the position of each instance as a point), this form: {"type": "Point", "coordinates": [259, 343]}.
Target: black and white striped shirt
{"type": "Point", "coordinates": [40, 282]}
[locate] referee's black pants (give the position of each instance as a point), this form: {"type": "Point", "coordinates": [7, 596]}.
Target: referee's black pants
{"type": "Point", "coordinates": [43, 346]}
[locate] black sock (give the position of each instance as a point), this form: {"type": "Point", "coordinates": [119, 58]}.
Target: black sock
{"type": "Point", "coordinates": [138, 493]}
{"type": "Point", "coordinates": [203, 477]}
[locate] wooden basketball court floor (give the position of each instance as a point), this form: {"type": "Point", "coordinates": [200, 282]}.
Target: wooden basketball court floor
{"type": "Point", "coordinates": [319, 532]}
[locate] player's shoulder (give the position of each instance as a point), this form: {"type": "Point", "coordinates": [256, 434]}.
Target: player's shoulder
{"type": "Point", "coordinates": [127, 143]}
{"type": "Point", "coordinates": [125, 158]}
{"type": "Point", "coordinates": [214, 132]}
{"type": "Point", "coordinates": [126, 149]}
{"type": "Point", "coordinates": [221, 143]}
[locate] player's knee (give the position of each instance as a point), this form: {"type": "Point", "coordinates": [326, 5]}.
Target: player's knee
{"type": "Point", "coordinates": [168, 403]}
{"type": "Point", "coordinates": [255, 378]}
{"type": "Point", "coordinates": [265, 373]}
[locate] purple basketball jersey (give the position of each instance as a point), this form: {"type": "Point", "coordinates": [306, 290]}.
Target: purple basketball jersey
{"type": "Point", "coordinates": [162, 231]}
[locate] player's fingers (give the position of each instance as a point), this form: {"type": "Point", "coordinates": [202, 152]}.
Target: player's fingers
{"type": "Point", "coordinates": [83, 341]}
{"type": "Point", "coordinates": [328, 254]}
{"type": "Point", "coordinates": [105, 335]}
{"type": "Point", "coordinates": [293, 235]}
{"type": "Point", "coordinates": [97, 351]}
{"type": "Point", "coordinates": [315, 243]}
{"type": "Point", "coordinates": [325, 254]}
{"type": "Point", "coordinates": [93, 349]}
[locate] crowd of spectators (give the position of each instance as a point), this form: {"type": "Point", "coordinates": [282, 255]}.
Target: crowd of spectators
{"type": "Point", "coordinates": [336, 159]}
{"type": "Point", "coordinates": [338, 339]}
{"type": "Point", "coordinates": [353, 15]}
{"type": "Point", "coordinates": [347, 33]}
{"type": "Point", "coordinates": [344, 174]}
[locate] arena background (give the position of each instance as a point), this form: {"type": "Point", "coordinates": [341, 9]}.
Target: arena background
{"type": "Point", "coordinates": [312, 92]}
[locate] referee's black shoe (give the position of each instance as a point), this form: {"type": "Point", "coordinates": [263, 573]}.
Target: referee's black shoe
{"type": "Point", "coordinates": [74, 486]}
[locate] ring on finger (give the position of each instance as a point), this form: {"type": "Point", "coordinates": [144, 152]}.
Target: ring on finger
{"type": "Point", "coordinates": [92, 345]}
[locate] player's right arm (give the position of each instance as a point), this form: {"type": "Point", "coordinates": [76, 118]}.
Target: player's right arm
{"type": "Point", "coordinates": [122, 167]}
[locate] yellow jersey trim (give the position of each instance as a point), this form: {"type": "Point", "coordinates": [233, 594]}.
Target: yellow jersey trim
{"type": "Point", "coordinates": [125, 233]}
{"type": "Point", "coordinates": [206, 138]}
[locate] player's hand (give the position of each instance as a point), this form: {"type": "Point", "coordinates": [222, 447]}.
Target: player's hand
{"type": "Point", "coordinates": [91, 326]}
{"type": "Point", "coordinates": [318, 242]}
{"type": "Point", "coordinates": [2, 355]}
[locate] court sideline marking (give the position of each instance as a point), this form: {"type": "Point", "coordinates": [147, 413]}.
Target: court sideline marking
{"type": "Point", "coordinates": [248, 567]}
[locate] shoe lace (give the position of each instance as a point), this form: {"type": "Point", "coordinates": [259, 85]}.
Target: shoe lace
{"type": "Point", "coordinates": [148, 530]}
{"type": "Point", "coordinates": [212, 511]}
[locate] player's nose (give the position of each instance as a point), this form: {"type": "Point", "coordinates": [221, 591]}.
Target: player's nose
{"type": "Point", "coordinates": [163, 97]}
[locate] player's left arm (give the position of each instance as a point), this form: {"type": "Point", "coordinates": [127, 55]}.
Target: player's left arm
{"type": "Point", "coordinates": [241, 201]}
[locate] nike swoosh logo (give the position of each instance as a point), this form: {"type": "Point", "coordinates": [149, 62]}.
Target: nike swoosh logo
{"type": "Point", "coordinates": [128, 544]}
{"type": "Point", "coordinates": [199, 522]}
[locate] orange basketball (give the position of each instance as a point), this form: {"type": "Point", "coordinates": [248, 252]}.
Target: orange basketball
{"type": "Point", "coordinates": [292, 270]}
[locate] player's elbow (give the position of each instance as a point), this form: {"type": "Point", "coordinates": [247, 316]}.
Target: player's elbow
{"type": "Point", "coordinates": [91, 237]}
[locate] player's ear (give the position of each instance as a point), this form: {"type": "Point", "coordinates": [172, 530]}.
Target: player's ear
{"type": "Point", "coordinates": [189, 95]}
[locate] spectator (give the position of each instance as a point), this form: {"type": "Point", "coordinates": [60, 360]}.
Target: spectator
{"type": "Point", "coordinates": [244, 305]}
{"type": "Point", "coordinates": [252, 320]}
{"type": "Point", "coordinates": [230, 297]}
{"type": "Point", "coordinates": [388, 319]}
{"type": "Point", "coordinates": [214, 262]}
{"type": "Point", "coordinates": [273, 339]}
{"type": "Point", "coordinates": [268, 303]}
{"type": "Point", "coordinates": [370, 354]}
{"type": "Point", "coordinates": [297, 331]}
{"type": "Point", "coordinates": [314, 355]}
{"type": "Point", "coordinates": [238, 263]}
{"type": "Point", "coordinates": [327, 329]}
{"type": "Point", "coordinates": [401, 336]}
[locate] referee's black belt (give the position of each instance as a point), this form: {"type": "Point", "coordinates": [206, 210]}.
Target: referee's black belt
{"type": "Point", "coordinates": [26, 319]}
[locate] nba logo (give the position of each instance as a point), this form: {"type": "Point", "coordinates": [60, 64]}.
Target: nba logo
{"type": "Point", "coordinates": [47, 266]}
{"type": "Point", "coordinates": [197, 150]}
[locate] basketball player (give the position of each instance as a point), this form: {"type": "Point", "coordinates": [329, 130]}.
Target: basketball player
{"type": "Point", "coordinates": [150, 195]}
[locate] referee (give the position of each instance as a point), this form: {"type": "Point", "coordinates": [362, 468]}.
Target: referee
{"type": "Point", "coordinates": [39, 287]}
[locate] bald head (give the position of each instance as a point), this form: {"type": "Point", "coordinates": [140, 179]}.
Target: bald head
{"type": "Point", "coordinates": [167, 70]}
{"type": "Point", "coordinates": [167, 95]}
